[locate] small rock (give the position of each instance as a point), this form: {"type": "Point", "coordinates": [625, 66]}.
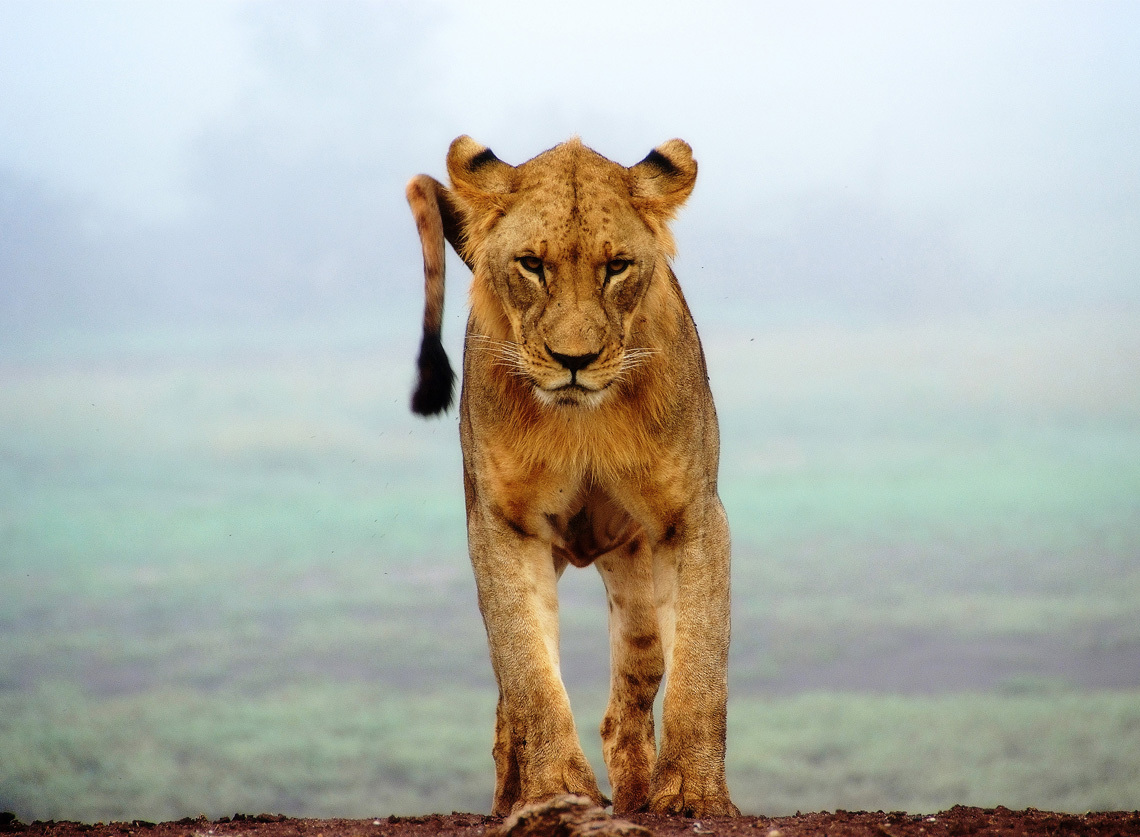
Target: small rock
{"type": "Point", "coordinates": [568, 816]}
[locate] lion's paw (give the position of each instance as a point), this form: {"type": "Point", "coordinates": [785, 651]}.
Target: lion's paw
{"type": "Point", "coordinates": [679, 804]}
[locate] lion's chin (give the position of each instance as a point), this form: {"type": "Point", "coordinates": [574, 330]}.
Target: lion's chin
{"type": "Point", "coordinates": [571, 396]}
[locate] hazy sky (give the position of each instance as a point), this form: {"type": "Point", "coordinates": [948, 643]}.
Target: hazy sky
{"type": "Point", "coordinates": [850, 153]}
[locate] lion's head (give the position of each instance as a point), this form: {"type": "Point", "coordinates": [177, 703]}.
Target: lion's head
{"type": "Point", "coordinates": [563, 249]}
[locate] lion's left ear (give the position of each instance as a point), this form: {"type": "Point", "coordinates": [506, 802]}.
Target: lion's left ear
{"type": "Point", "coordinates": [664, 179]}
{"type": "Point", "coordinates": [476, 173]}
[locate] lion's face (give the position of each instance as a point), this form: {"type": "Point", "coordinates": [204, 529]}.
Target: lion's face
{"type": "Point", "coordinates": [570, 263]}
{"type": "Point", "coordinates": [568, 248]}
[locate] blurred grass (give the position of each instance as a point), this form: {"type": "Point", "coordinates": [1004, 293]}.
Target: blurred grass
{"type": "Point", "coordinates": [243, 558]}
{"type": "Point", "coordinates": [1069, 752]}
{"type": "Point", "coordinates": [318, 750]}
{"type": "Point", "coordinates": [326, 749]}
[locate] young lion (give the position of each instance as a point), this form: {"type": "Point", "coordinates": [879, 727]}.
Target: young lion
{"type": "Point", "coordinates": [589, 436]}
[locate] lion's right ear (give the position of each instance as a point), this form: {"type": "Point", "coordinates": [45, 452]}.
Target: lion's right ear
{"type": "Point", "coordinates": [480, 178]}
{"type": "Point", "coordinates": [663, 181]}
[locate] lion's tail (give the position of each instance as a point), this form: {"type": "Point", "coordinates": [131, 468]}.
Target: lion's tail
{"type": "Point", "coordinates": [435, 216]}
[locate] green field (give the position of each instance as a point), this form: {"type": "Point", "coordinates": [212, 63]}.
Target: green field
{"type": "Point", "coordinates": [234, 574]}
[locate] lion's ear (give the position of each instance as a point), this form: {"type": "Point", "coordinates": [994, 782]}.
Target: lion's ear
{"type": "Point", "coordinates": [665, 178]}
{"type": "Point", "coordinates": [476, 172]}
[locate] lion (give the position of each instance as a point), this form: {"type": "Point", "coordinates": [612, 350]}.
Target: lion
{"type": "Point", "coordinates": [589, 436]}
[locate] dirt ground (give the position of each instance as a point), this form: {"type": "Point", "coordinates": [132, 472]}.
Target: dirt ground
{"type": "Point", "coordinates": [957, 822]}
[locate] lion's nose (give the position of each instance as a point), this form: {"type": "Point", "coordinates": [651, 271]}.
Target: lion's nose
{"type": "Point", "coordinates": [573, 362]}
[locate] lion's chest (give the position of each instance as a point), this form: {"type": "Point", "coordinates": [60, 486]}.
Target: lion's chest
{"type": "Point", "coordinates": [583, 533]}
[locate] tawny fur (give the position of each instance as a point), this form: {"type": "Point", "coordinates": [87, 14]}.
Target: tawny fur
{"type": "Point", "coordinates": [589, 436]}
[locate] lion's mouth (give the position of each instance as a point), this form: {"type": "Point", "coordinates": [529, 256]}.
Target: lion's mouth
{"type": "Point", "coordinates": [570, 395]}
{"type": "Point", "coordinates": [573, 387]}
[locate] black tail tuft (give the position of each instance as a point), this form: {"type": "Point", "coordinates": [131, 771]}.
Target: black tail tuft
{"type": "Point", "coordinates": [433, 391]}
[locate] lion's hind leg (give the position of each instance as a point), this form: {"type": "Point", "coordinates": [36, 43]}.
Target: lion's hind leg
{"type": "Point", "coordinates": [636, 668]}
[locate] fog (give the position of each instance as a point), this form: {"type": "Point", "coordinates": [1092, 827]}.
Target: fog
{"type": "Point", "coordinates": [913, 252]}
{"type": "Point", "coordinates": [222, 161]}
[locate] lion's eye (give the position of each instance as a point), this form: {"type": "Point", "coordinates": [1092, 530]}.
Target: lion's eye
{"type": "Point", "coordinates": [531, 264]}
{"type": "Point", "coordinates": [616, 266]}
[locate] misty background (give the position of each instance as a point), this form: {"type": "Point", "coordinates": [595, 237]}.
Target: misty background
{"type": "Point", "coordinates": [246, 160]}
{"type": "Point", "coordinates": [233, 565]}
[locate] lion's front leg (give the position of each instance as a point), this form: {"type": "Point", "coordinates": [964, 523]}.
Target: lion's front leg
{"type": "Point", "coordinates": [537, 753]}
{"type": "Point", "coordinates": [691, 586]}
{"type": "Point", "coordinates": [507, 784]}
{"type": "Point", "coordinates": [636, 668]}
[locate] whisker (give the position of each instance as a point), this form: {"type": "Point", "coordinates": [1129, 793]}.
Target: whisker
{"type": "Point", "coordinates": [490, 344]}
{"type": "Point", "coordinates": [505, 354]}
{"type": "Point", "coordinates": [635, 358]}
{"type": "Point", "coordinates": [479, 342]}
{"type": "Point", "coordinates": [640, 354]}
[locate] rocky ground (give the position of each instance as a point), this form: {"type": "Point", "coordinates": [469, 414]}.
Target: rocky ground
{"type": "Point", "coordinates": [956, 822]}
